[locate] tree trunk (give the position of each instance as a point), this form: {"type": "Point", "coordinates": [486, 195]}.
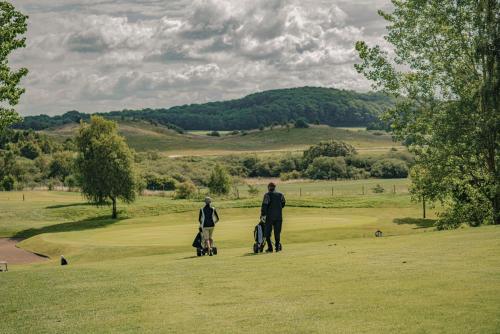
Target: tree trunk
{"type": "Point", "coordinates": [115, 215]}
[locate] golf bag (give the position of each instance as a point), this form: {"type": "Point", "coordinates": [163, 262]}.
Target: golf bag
{"type": "Point", "coordinates": [260, 241]}
{"type": "Point", "coordinates": [198, 243]}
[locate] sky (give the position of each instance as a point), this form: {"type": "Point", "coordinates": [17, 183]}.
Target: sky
{"type": "Point", "coordinates": [104, 55]}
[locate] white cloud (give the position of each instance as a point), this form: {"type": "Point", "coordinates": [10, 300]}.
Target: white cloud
{"type": "Point", "coordinates": [96, 55]}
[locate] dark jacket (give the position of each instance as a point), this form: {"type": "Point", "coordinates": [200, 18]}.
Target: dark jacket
{"type": "Point", "coordinates": [272, 205]}
{"type": "Point", "coordinates": [208, 216]}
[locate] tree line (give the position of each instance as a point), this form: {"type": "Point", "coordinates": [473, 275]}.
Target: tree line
{"type": "Point", "coordinates": [275, 107]}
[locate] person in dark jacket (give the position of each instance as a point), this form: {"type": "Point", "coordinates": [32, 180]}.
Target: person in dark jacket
{"type": "Point", "coordinates": [208, 218]}
{"type": "Point", "coordinates": [272, 213]}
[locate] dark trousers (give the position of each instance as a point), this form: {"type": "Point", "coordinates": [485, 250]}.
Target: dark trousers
{"type": "Point", "coordinates": [273, 224]}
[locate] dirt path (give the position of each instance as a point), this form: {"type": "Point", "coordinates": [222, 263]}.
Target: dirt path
{"type": "Point", "coordinates": [13, 255]}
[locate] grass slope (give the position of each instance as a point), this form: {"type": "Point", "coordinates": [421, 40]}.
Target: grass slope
{"type": "Point", "coordinates": [143, 137]}
{"type": "Point", "coordinates": [420, 283]}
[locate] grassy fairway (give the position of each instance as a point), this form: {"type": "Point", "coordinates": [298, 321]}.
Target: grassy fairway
{"type": "Point", "coordinates": [139, 274]}
{"type": "Point", "coordinates": [421, 283]}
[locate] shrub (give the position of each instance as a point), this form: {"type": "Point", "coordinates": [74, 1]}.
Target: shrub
{"type": "Point", "coordinates": [153, 155]}
{"type": "Point", "coordinates": [331, 148]}
{"type": "Point", "coordinates": [214, 134]}
{"type": "Point", "coordinates": [327, 168]}
{"type": "Point", "coordinates": [185, 190]}
{"type": "Point", "coordinates": [301, 124]}
{"type": "Point", "coordinates": [288, 164]}
{"type": "Point", "coordinates": [378, 189]}
{"type": "Point", "coordinates": [390, 168]}
{"type": "Point", "coordinates": [62, 165]}
{"type": "Point", "coordinates": [8, 183]}
{"type": "Point", "coordinates": [220, 181]}
{"type": "Point", "coordinates": [360, 161]}
{"type": "Point", "coordinates": [252, 190]}
{"type": "Point", "coordinates": [293, 175]}
{"type": "Point", "coordinates": [71, 181]}
{"type": "Point", "coordinates": [30, 150]}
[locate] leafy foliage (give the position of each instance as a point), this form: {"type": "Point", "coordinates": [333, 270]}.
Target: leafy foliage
{"type": "Point", "coordinates": [390, 169]}
{"type": "Point", "coordinates": [186, 189]}
{"type": "Point", "coordinates": [327, 168]}
{"type": "Point", "coordinates": [12, 25]}
{"type": "Point", "coordinates": [447, 82]}
{"type": "Point", "coordinates": [311, 104]}
{"type": "Point", "coordinates": [220, 181]}
{"type": "Point", "coordinates": [105, 164]}
{"type": "Point", "coordinates": [331, 148]}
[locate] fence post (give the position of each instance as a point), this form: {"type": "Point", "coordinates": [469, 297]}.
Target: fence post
{"type": "Point", "coordinates": [23, 197]}
{"type": "Point", "coordinates": [300, 192]}
{"type": "Point", "coordinates": [363, 189]}
{"type": "Point", "coordinates": [423, 205]}
{"type": "Point", "coordinates": [394, 188]}
{"type": "Point", "coordinates": [332, 191]}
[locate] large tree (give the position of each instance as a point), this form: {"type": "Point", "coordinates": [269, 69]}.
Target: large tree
{"type": "Point", "coordinates": [444, 67]}
{"type": "Point", "coordinates": [105, 164]}
{"type": "Point", "coordinates": [13, 24]}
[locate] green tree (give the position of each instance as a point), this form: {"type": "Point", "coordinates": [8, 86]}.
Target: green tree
{"type": "Point", "coordinates": [62, 165]}
{"type": "Point", "coordinates": [327, 168]}
{"type": "Point", "coordinates": [332, 148]}
{"type": "Point", "coordinates": [220, 181]}
{"type": "Point", "coordinates": [13, 24]}
{"type": "Point", "coordinates": [105, 164]}
{"type": "Point", "coordinates": [445, 73]}
{"type": "Point", "coordinates": [30, 150]}
{"type": "Point", "coordinates": [301, 124]}
{"type": "Point", "coordinates": [390, 169]}
{"type": "Point", "coordinates": [186, 189]}
{"type": "Point", "coordinates": [7, 183]}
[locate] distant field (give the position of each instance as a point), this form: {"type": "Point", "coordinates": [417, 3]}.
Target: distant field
{"type": "Point", "coordinates": [144, 137]}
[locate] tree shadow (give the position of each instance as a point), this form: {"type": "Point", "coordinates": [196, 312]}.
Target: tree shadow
{"type": "Point", "coordinates": [420, 222]}
{"type": "Point", "coordinates": [60, 206]}
{"type": "Point", "coordinates": [81, 225]}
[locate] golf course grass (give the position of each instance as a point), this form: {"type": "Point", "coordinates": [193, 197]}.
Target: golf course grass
{"type": "Point", "coordinates": [139, 274]}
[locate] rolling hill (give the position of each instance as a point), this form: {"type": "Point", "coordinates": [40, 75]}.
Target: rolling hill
{"type": "Point", "coordinates": [143, 136]}
{"type": "Point", "coordinates": [329, 106]}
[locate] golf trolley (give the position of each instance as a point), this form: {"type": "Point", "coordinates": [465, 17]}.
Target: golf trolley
{"type": "Point", "coordinates": [198, 244]}
{"type": "Point", "coordinates": [260, 241]}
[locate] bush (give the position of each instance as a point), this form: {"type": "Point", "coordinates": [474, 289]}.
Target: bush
{"type": "Point", "coordinates": [378, 189]}
{"type": "Point", "coordinates": [213, 134]}
{"type": "Point", "coordinates": [185, 190]}
{"type": "Point", "coordinates": [390, 168]}
{"type": "Point", "coordinates": [30, 150]}
{"type": "Point", "coordinates": [331, 148]}
{"type": "Point", "coordinates": [327, 168]}
{"type": "Point", "coordinates": [71, 181]}
{"type": "Point", "coordinates": [301, 124]}
{"type": "Point", "coordinates": [220, 181]}
{"type": "Point", "coordinates": [357, 173]}
{"type": "Point", "coordinates": [8, 183]}
{"type": "Point", "coordinates": [62, 165]}
{"type": "Point", "coordinates": [252, 190]}
{"type": "Point", "coordinates": [293, 175]}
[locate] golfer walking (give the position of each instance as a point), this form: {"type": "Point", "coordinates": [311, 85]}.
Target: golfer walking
{"type": "Point", "coordinates": [272, 213]}
{"type": "Point", "coordinates": [208, 218]}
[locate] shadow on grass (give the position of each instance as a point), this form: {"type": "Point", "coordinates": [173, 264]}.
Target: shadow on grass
{"type": "Point", "coordinates": [81, 225]}
{"type": "Point", "coordinates": [60, 206]}
{"type": "Point", "coordinates": [420, 222]}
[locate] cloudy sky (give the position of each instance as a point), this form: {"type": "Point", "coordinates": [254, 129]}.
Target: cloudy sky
{"type": "Point", "coordinates": [102, 55]}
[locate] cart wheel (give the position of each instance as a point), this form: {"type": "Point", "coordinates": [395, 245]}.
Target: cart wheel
{"type": "Point", "coordinates": [255, 248]}
{"type": "Point", "coordinates": [214, 251]}
{"type": "Point", "coordinates": [199, 252]}
{"type": "Point", "coordinates": [261, 249]}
